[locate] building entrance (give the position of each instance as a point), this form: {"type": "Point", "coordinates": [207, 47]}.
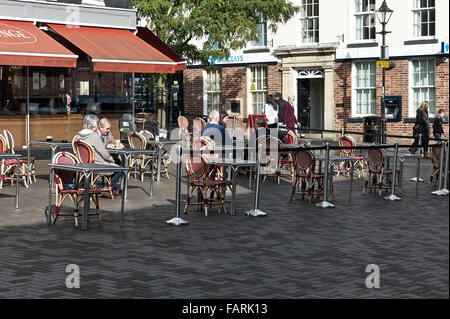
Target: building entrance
{"type": "Point", "coordinates": [310, 107]}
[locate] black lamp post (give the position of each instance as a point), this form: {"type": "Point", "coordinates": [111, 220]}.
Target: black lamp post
{"type": "Point", "coordinates": [384, 13]}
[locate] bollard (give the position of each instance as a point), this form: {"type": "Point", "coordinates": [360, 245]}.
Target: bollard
{"type": "Point", "coordinates": [255, 211]}
{"type": "Point", "coordinates": [439, 191]}
{"type": "Point", "coordinates": [177, 221]}
{"type": "Point", "coordinates": [394, 173]}
{"type": "Point", "coordinates": [325, 203]}
{"type": "Point", "coordinates": [445, 190]}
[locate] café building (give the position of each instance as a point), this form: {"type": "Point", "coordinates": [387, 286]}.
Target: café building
{"type": "Point", "coordinates": [60, 61]}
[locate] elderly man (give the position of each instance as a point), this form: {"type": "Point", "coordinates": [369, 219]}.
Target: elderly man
{"type": "Point", "coordinates": [90, 135]}
{"type": "Point", "coordinates": [289, 118]}
{"type": "Point", "coordinates": [216, 131]}
{"type": "Point", "coordinates": [104, 129]}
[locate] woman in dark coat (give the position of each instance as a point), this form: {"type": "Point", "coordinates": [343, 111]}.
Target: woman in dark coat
{"type": "Point", "coordinates": [421, 126]}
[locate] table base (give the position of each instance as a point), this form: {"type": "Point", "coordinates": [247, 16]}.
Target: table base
{"type": "Point", "coordinates": [177, 221]}
{"type": "Point", "coordinates": [325, 204]}
{"type": "Point", "coordinates": [255, 213]}
{"type": "Point", "coordinates": [392, 197]}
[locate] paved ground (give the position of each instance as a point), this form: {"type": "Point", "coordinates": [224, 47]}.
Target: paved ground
{"type": "Point", "coordinates": [296, 251]}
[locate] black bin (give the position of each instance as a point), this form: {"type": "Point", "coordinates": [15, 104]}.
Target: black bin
{"type": "Point", "coordinates": [372, 129]}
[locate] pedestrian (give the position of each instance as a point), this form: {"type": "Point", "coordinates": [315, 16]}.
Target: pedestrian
{"type": "Point", "coordinates": [270, 109]}
{"type": "Point", "coordinates": [280, 102]}
{"type": "Point", "coordinates": [216, 131]}
{"type": "Point", "coordinates": [421, 127]}
{"type": "Point", "coordinates": [438, 131]}
{"type": "Point", "coordinates": [289, 118]}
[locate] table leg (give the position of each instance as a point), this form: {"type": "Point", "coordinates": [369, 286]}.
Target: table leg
{"type": "Point", "coordinates": [125, 184]}
{"type": "Point", "coordinates": [123, 199]}
{"type": "Point", "coordinates": [352, 163]}
{"type": "Point", "coordinates": [28, 162]}
{"type": "Point", "coordinates": [330, 180]}
{"type": "Point", "coordinates": [418, 176]}
{"type": "Point", "coordinates": [152, 164]}
{"type": "Point", "coordinates": [49, 210]}
{"type": "Point", "coordinates": [158, 174]}
{"type": "Point", "coordinates": [17, 185]}
{"type": "Point", "coordinates": [250, 177]}
{"type": "Point", "coordinates": [400, 183]}
{"type": "Point", "coordinates": [233, 191]}
{"type": "Point", "coordinates": [87, 201]}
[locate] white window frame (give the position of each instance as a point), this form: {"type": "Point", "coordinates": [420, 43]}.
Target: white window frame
{"type": "Point", "coordinates": [303, 18]}
{"type": "Point", "coordinates": [250, 92]}
{"type": "Point", "coordinates": [255, 44]}
{"type": "Point", "coordinates": [354, 90]}
{"type": "Point", "coordinates": [206, 92]}
{"type": "Point", "coordinates": [414, 10]}
{"type": "Point", "coordinates": [355, 24]}
{"type": "Point", "coordinates": [411, 107]}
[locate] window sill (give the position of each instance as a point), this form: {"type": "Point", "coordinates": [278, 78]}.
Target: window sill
{"type": "Point", "coordinates": [362, 45]}
{"type": "Point", "coordinates": [257, 50]}
{"type": "Point", "coordinates": [420, 41]}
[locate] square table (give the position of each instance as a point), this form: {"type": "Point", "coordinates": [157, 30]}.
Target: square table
{"type": "Point", "coordinates": [87, 170]}
{"type": "Point", "coordinates": [160, 144]}
{"type": "Point", "coordinates": [234, 165]}
{"type": "Point", "coordinates": [4, 156]}
{"type": "Point", "coordinates": [126, 153]}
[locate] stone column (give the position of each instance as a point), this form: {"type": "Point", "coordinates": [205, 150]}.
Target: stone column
{"type": "Point", "coordinates": [329, 107]}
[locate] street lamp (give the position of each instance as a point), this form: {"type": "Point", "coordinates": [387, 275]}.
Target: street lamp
{"type": "Point", "coordinates": [384, 13]}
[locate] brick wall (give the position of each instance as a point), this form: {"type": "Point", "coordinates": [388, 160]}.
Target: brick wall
{"type": "Point", "coordinates": [396, 84]}
{"type": "Point", "coordinates": [193, 92]}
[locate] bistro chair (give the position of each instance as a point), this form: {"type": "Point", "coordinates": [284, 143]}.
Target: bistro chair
{"type": "Point", "coordinates": [8, 166]}
{"type": "Point", "coordinates": [183, 125]}
{"type": "Point", "coordinates": [147, 135]}
{"type": "Point", "coordinates": [10, 149]}
{"type": "Point", "coordinates": [378, 177]}
{"type": "Point", "coordinates": [436, 151]}
{"type": "Point", "coordinates": [271, 159]}
{"type": "Point", "coordinates": [201, 179]}
{"type": "Point", "coordinates": [360, 161]}
{"type": "Point", "coordinates": [68, 186]}
{"type": "Point", "coordinates": [137, 141]}
{"type": "Point", "coordinates": [85, 154]}
{"type": "Point", "coordinates": [198, 125]}
{"type": "Point", "coordinates": [291, 137]}
{"type": "Point", "coordinates": [304, 179]}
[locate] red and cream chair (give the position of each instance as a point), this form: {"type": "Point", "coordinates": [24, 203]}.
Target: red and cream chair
{"type": "Point", "coordinates": [9, 166]}
{"type": "Point", "coordinates": [24, 160]}
{"type": "Point", "coordinates": [378, 177]}
{"type": "Point", "coordinates": [183, 126]}
{"type": "Point", "coordinates": [360, 161]}
{"type": "Point", "coordinates": [67, 185]}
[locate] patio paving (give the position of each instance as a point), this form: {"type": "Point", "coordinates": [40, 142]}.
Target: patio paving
{"type": "Point", "coordinates": [296, 251]}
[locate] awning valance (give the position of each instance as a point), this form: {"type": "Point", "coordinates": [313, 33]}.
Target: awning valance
{"type": "Point", "coordinates": [22, 43]}
{"type": "Point", "coordinates": [116, 50]}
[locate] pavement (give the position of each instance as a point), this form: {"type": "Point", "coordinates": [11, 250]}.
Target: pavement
{"type": "Point", "coordinates": [297, 251]}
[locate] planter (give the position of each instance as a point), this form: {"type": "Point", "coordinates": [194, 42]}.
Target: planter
{"type": "Point", "coordinates": [124, 4]}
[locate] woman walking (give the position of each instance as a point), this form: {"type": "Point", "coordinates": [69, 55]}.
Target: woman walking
{"type": "Point", "coordinates": [271, 111]}
{"type": "Point", "coordinates": [421, 127]}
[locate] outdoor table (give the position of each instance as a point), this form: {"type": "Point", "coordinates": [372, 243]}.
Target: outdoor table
{"type": "Point", "coordinates": [160, 145]}
{"type": "Point", "coordinates": [332, 160]}
{"type": "Point", "coordinates": [54, 145]}
{"type": "Point", "coordinates": [4, 156]}
{"type": "Point", "coordinates": [234, 164]}
{"type": "Point", "coordinates": [126, 153]}
{"type": "Point", "coordinates": [87, 170]}
{"type": "Point", "coordinates": [402, 157]}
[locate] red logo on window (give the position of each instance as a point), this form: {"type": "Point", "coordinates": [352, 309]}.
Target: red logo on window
{"type": "Point", "coordinates": [14, 35]}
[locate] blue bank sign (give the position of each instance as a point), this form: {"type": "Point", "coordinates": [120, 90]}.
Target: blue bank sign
{"type": "Point", "coordinates": [230, 59]}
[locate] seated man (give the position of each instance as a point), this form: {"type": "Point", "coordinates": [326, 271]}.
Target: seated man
{"type": "Point", "coordinates": [90, 135]}
{"type": "Point", "coordinates": [216, 131]}
{"type": "Point", "coordinates": [104, 129]}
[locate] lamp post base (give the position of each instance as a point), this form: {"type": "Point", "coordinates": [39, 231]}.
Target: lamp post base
{"type": "Point", "coordinates": [325, 204]}
{"type": "Point", "coordinates": [440, 192]}
{"type": "Point", "coordinates": [255, 212]}
{"type": "Point", "coordinates": [177, 221]}
{"type": "Point", "coordinates": [414, 179]}
{"type": "Point", "coordinates": [392, 197]}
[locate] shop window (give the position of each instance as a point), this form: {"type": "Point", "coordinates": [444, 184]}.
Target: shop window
{"type": "Point", "coordinates": [262, 33]}
{"type": "Point", "coordinates": [310, 21]}
{"type": "Point", "coordinates": [258, 88]}
{"type": "Point", "coordinates": [423, 85]}
{"type": "Point", "coordinates": [12, 90]}
{"type": "Point", "coordinates": [424, 18]}
{"type": "Point", "coordinates": [364, 89]}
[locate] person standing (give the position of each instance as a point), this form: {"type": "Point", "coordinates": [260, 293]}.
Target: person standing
{"type": "Point", "coordinates": [214, 129]}
{"type": "Point", "coordinates": [270, 109]}
{"type": "Point", "coordinates": [438, 131]}
{"type": "Point", "coordinates": [280, 102]}
{"type": "Point", "coordinates": [289, 118]}
{"type": "Point", "coordinates": [421, 127]}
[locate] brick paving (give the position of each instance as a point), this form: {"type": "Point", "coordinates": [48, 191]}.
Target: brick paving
{"type": "Point", "coordinates": [296, 251]}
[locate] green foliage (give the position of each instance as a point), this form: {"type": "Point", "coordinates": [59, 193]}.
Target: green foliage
{"type": "Point", "coordinates": [221, 25]}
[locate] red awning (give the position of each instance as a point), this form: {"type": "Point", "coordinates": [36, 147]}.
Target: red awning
{"type": "Point", "coordinates": [116, 50]}
{"type": "Point", "coordinates": [148, 36]}
{"type": "Point", "coordinates": [22, 43]}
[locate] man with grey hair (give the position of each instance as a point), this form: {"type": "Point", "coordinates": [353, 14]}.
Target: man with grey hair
{"type": "Point", "coordinates": [104, 129]}
{"type": "Point", "coordinates": [90, 135]}
{"type": "Point", "coordinates": [289, 118]}
{"type": "Point", "coordinates": [216, 131]}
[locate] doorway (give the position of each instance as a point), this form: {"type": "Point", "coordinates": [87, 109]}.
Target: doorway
{"type": "Point", "coordinates": [310, 110]}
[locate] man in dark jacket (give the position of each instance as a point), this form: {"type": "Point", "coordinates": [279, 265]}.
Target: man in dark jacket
{"type": "Point", "coordinates": [280, 102]}
{"type": "Point", "coordinates": [438, 131]}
